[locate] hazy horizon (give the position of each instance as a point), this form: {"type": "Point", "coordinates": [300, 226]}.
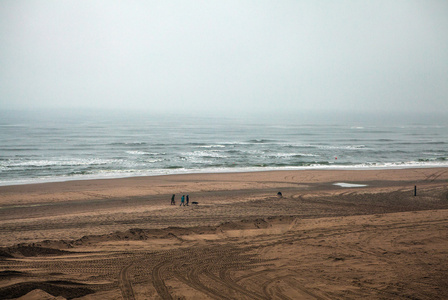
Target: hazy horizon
{"type": "Point", "coordinates": [302, 118]}
{"type": "Point", "coordinates": [245, 58]}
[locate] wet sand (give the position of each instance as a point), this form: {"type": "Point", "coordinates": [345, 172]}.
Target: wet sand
{"type": "Point", "coordinates": [121, 238]}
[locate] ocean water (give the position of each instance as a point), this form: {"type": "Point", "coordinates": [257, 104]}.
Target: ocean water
{"type": "Point", "coordinates": [57, 147]}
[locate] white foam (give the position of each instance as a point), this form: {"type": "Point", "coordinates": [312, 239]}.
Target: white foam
{"type": "Point", "coordinates": [208, 153]}
{"type": "Point", "coordinates": [137, 152]}
{"type": "Point", "coordinates": [63, 162]}
{"type": "Point", "coordinates": [348, 147]}
{"type": "Point", "coordinates": [292, 155]}
{"type": "Point", "coordinates": [212, 146]}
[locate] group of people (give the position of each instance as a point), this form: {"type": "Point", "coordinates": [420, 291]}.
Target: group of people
{"type": "Point", "coordinates": [183, 199]}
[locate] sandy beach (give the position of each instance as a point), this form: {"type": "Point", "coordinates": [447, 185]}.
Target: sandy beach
{"type": "Point", "coordinates": [121, 238]}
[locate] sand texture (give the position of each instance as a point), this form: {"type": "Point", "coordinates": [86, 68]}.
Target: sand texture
{"type": "Point", "coordinates": [121, 238]}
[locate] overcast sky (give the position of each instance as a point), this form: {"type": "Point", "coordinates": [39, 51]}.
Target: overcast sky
{"type": "Point", "coordinates": [225, 56]}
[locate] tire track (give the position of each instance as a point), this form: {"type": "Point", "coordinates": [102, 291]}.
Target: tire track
{"type": "Point", "coordinates": [226, 279]}
{"type": "Point", "coordinates": [193, 278]}
{"type": "Point", "coordinates": [233, 286]}
{"type": "Point", "coordinates": [434, 176]}
{"type": "Point", "coordinates": [158, 282]}
{"type": "Point", "coordinates": [186, 266]}
{"type": "Point", "coordinates": [207, 271]}
{"type": "Point", "coordinates": [125, 284]}
{"type": "Point", "coordinates": [269, 294]}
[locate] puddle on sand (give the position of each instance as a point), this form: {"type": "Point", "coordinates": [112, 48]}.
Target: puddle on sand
{"type": "Point", "coordinates": [344, 184]}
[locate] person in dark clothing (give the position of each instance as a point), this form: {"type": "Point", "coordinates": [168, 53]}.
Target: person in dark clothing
{"type": "Point", "coordinates": [173, 202]}
{"type": "Point", "coordinates": [188, 199]}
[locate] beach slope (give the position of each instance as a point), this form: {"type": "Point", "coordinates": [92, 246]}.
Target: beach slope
{"type": "Point", "coordinates": [370, 237]}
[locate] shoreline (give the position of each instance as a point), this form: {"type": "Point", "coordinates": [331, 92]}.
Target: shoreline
{"type": "Point", "coordinates": [206, 172]}
{"type": "Point", "coordinates": [327, 175]}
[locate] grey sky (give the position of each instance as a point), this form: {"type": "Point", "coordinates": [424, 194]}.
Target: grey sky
{"type": "Point", "coordinates": [225, 55]}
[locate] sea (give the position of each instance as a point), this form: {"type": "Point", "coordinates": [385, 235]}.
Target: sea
{"type": "Point", "coordinates": [37, 147]}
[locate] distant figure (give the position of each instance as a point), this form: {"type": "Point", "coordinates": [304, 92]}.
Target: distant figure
{"type": "Point", "coordinates": [173, 202]}
{"type": "Point", "coordinates": [182, 200]}
{"type": "Point", "coordinates": [188, 199]}
{"type": "Point", "coordinates": [279, 194]}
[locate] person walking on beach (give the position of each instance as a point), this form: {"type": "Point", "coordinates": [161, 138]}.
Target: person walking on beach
{"type": "Point", "coordinates": [188, 199]}
{"type": "Point", "coordinates": [182, 200]}
{"type": "Point", "coordinates": [173, 202]}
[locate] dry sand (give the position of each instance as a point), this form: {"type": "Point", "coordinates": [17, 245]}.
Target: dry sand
{"type": "Point", "coordinates": [121, 238]}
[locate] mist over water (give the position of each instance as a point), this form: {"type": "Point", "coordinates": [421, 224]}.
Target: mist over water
{"type": "Point", "coordinates": [57, 146]}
